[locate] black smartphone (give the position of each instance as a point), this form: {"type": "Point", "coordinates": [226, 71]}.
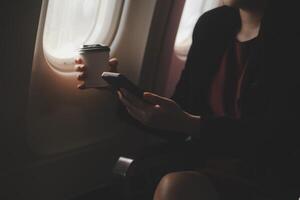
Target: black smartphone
{"type": "Point", "coordinates": [118, 81]}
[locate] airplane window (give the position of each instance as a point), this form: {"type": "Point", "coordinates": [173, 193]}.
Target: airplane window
{"type": "Point", "coordinates": [191, 12]}
{"type": "Point", "coordinates": [72, 23]}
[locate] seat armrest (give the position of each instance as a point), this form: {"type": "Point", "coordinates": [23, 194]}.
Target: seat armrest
{"type": "Point", "coordinates": [143, 171]}
{"type": "Point", "coordinates": [167, 155]}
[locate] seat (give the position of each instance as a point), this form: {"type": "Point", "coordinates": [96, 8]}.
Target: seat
{"type": "Point", "coordinates": [141, 173]}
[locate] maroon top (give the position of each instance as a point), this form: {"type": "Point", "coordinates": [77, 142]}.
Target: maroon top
{"type": "Point", "coordinates": [226, 85]}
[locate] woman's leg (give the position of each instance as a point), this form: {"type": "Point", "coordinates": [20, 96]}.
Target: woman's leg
{"type": "Point", "coordinates": [187, 185]}
{"type": "Point", "coordinates": [206, 185]}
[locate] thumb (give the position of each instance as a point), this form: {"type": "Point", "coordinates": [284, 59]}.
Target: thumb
{"type": "Point", "coordinates": [113, 65]}
{"type": "Point", "coordinates": [155, 99]}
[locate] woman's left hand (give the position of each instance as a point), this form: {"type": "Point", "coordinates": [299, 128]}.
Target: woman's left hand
{"type": "Point", "coordinates": [160, 113]}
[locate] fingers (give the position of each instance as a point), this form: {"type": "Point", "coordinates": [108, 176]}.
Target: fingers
{"type": "Point", "coordinates": [81, 86]}
{"type": "Point", "coordinates": [119, 94]}
{"type": "Point", "coordinates": [134, 100]}
{"type": "Point", "coordinates": [128, 95]}
{"type": "Point", "coordinates": [80, 68]}
{"type": "Point", "coordinates": [78, 61]}
{"type": "Point", "coordinates": [124, 100]}
{"type": "Point", "coordinates": [82, 76]}
{"type": "Point", "coordinates": [144, 115]}
{"type": "Point", "coordinates": [156, 99]}
{"type": "Point", "coordinates": [113, 64]}
{"type": "Point", "coordinates": [131, 113]}
{"type": "Point", "coordinates": [136, 115]}
{"type": "Point", "coordinates": [131, 104]}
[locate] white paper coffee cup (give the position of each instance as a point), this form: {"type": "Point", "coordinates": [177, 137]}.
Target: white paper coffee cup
{"type": "Point", "coordinates": [96, 58]}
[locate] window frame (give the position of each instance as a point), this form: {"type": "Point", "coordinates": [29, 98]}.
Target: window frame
{"type": "Point", "coordinates": [66, 65]}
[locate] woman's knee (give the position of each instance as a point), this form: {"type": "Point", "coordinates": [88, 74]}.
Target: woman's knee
{"type": "Point", "coordinates": [185, 185]}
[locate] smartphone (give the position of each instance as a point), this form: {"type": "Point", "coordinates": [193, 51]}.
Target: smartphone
{"type": "Point", "coordinates": [118, 81]}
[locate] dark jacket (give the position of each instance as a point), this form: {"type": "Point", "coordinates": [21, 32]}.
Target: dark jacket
{"type": "Point", "coordinates": [266, 136]}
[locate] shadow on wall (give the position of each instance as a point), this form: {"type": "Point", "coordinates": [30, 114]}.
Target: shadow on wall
{"type": "Point", "coordinates": [19, 22]}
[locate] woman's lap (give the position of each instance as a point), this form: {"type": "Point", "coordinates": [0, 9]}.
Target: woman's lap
{"type": "Point", "coordinates": [232, 187]}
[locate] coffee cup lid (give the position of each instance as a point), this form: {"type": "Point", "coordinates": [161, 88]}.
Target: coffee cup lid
{"type": "Point", "coordinates": [93, 48]}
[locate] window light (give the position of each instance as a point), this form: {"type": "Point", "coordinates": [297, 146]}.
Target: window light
{"type": "Point", "coordinates": [72, 23]}
{"type": "Point", "coordinates": [193, 9]}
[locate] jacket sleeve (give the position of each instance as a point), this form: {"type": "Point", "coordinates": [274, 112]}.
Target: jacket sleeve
{"type": "Point", "coordinates": [204, 30]}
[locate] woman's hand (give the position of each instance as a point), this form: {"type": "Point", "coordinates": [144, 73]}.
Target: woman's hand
{"type": "Point", "coordinates": [82, 68]}
{"type": "Point", "coordinates": [160, 113]}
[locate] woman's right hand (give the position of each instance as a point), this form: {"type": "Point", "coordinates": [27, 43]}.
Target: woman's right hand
{"type": "Point", "coordinates": [82, 69]}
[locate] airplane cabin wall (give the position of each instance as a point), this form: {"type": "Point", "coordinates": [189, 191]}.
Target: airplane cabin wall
{"type": "Point", "coordinates": [19, 23]}
{"type": "Point", "coordinates": [56, 141]}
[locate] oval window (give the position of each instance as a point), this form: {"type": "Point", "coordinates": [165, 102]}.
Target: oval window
{"type": "Point", "coordinates": [72, 23]}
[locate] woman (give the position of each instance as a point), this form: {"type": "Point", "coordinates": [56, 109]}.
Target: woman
{"type": "Point", "coordinates": [238, 96]}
